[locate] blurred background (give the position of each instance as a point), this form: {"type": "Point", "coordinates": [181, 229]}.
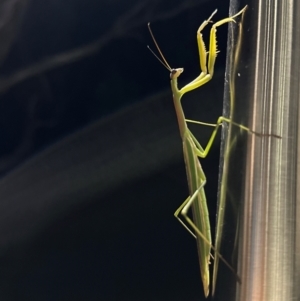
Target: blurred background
{"type": "Point", "coordinates": [90, 154]}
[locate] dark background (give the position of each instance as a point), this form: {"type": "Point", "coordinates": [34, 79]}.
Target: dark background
{"type": "Point", "coordinates": [91, 159]}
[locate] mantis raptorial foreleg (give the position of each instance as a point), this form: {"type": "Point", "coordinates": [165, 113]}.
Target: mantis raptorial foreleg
{"type": "Point", "coordinates": [207, 67]}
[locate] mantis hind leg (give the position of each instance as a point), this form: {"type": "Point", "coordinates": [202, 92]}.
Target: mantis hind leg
{"type": "Point", "coordinates": [184, 207]}
{"type": "Point", "coordinates": [188, 223]}
{"type": "Point", "coordinates": [203, 238]}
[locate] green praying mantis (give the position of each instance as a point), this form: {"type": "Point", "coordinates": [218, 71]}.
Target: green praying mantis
{"type": "Point", "coordinates": [199, 227]}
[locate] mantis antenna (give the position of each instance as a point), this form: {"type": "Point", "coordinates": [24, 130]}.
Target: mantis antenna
{"type": "Point", "coordinates": [163, 60]}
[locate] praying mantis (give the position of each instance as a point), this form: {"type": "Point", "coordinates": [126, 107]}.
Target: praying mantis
{"type": "Point", "coordinates": [192, 150]}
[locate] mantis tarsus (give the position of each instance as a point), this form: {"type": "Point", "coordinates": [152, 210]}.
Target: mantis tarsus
{"type": "Point", "coordinates": [192, 149]}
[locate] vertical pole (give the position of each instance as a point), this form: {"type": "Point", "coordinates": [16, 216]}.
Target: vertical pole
{"type": "Point", "coordinates": [262, 177]}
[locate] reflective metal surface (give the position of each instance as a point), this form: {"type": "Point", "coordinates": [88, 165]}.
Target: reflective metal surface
{"type": "Point", "coordinates": [265, 189]}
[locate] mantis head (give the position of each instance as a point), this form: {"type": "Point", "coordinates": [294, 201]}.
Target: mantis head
{"type": "Point", "coordinates": [175, 72]}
